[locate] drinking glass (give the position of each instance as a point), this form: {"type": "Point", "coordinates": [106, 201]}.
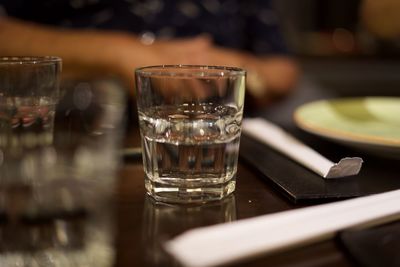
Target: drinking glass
{"type": "Point", "coordinates": [59, 154]}
{"type": "Point", "coordinates": [190, 122]}
{"type": "Point", "coordinates": [29, 91]}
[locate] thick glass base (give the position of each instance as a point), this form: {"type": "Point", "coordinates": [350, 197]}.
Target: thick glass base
{"type": "Point", "coordinates": [171, 193]}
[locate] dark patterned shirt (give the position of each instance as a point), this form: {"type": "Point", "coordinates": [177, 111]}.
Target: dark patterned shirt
{"type": "Point", "coordinates": [242, 24]}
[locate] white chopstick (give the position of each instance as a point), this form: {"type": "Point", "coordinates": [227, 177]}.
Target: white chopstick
{"type": "Point", "coordinates": [224, 243]}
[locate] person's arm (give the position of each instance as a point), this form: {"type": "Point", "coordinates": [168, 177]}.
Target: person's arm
{"type": "Point", "coordinates": [83, 52]}
{"type": "Point", "coordinates": [91, 53]}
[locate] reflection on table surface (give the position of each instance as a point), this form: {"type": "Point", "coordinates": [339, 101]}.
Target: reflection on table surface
{"type": "Point", "coordinates": [163, 221]}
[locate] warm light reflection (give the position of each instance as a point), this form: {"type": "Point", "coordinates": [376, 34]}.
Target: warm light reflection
{"type": "Point", "coordinates": [343, 40]}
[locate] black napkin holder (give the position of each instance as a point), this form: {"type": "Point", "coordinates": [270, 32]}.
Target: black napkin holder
{"type": "Point", "coordinates": [300, 184]}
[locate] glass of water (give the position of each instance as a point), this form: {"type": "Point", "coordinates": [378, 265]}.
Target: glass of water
{"type": "Point", "coordinates": [58, 163]}
{"type": "Point", "coordinates": [190, 122]}
{"type": "Point", "coordinates": [29, 91]}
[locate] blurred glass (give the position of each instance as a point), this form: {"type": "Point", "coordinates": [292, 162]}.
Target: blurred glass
{"type": "Point", "coordinates": [63, 216]}
{"type": "Point", "coordinates": [29, 91]}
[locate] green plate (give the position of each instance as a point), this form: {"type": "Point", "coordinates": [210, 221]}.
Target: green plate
{"type": "Point", "coordinates": [369, 123]}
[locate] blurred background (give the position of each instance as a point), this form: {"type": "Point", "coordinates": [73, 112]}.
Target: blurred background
{"type": "Point", "coordinates": [350, 47]}
{"type": "Point", "coordinates": [344, 47]}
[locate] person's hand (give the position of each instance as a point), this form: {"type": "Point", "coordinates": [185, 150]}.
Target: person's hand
{"type": "Point", "coordinates": [180, 51]}
{"type": "Point", "coordinates": [268, 78]}
{"type": "Point", "coordinates": [271, 78]}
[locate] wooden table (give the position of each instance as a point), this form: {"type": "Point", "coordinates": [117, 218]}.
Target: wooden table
{"type": "Point", "coordinates": [143, 224]}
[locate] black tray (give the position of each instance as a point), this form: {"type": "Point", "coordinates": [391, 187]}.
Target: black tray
{"type": "Point", "coordinates": [300, 184]}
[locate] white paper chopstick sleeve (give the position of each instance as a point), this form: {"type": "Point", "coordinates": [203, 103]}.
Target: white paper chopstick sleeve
{"type": "Point", "coordinates": [275, 137]}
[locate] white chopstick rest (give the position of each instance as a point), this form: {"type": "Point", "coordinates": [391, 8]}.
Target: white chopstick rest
{"type": "Point", "coordinates": [275, 137]}
{"type": "Point", "coordinates": [225, 243]}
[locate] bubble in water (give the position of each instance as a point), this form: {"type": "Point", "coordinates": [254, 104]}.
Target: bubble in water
{"type": "Point", "coordinates": [205, 130]}
{"type": "Point", "coordinates": [176, 127]}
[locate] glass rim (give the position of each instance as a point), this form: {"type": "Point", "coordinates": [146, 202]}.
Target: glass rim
{"type": "Point", "coordinates": [34, 60]}
{"type": "Point", "coordinates": [173, 70]}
